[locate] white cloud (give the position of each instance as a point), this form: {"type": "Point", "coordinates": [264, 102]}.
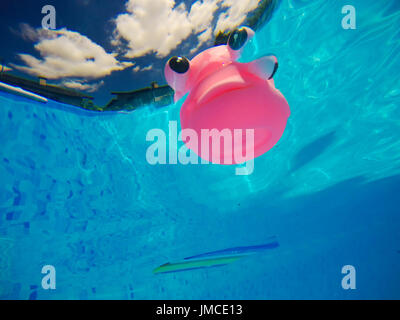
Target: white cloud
{"type": "Point", "coordinates": [156, 26]}
{"type": "Point", "coordinates": [66, 54]}
{"type": "Point", "coordinates": [202, 14]}
{"type": "Point", "coordinates": [152, 26]}
{"type": "Point", "coordinates": [139, 69]}
{"type": "Point", "coordinates": [202, 38]}
{"type": "Point", "coordinates": [160, 26]}
{"type": "Point", "coordinates": [148, 68]}
{"type": "Point", "coordinates": [4, 68]}
{"type": "Point", "coordinates": [236, 13]}
{"type": "Point", "coordinates": [80, 85]}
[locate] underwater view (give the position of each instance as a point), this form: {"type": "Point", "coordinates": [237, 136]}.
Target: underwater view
{"type": "Point", "coordinates": [317, 216]}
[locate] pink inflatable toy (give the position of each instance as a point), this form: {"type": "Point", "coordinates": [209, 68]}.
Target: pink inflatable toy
{"type": "Point", "coordinates": [230, 97]}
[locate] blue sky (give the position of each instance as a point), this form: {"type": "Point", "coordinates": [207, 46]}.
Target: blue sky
{"type": "Point", "coordinates": [101, 46]}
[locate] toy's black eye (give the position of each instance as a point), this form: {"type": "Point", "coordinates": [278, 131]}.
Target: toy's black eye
{"type": "Point", "coordinates": [179, 64]}
{"type": "Point", "coordinates": [238, 38]}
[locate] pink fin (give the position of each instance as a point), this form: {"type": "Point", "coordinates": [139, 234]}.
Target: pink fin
{"type": "Point", "coordinates": [264, 67]}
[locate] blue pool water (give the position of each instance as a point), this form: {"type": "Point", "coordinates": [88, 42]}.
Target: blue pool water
{"type": "Point", "coordinates": [77, 192]}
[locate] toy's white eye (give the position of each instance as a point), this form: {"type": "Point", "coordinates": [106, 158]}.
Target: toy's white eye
{"type": "Point", "coordinates": [179, 65]}
{"type": "Point", "coordinates": [177, 71]}
{"type": "Point", "coordinates": [239, 38]}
